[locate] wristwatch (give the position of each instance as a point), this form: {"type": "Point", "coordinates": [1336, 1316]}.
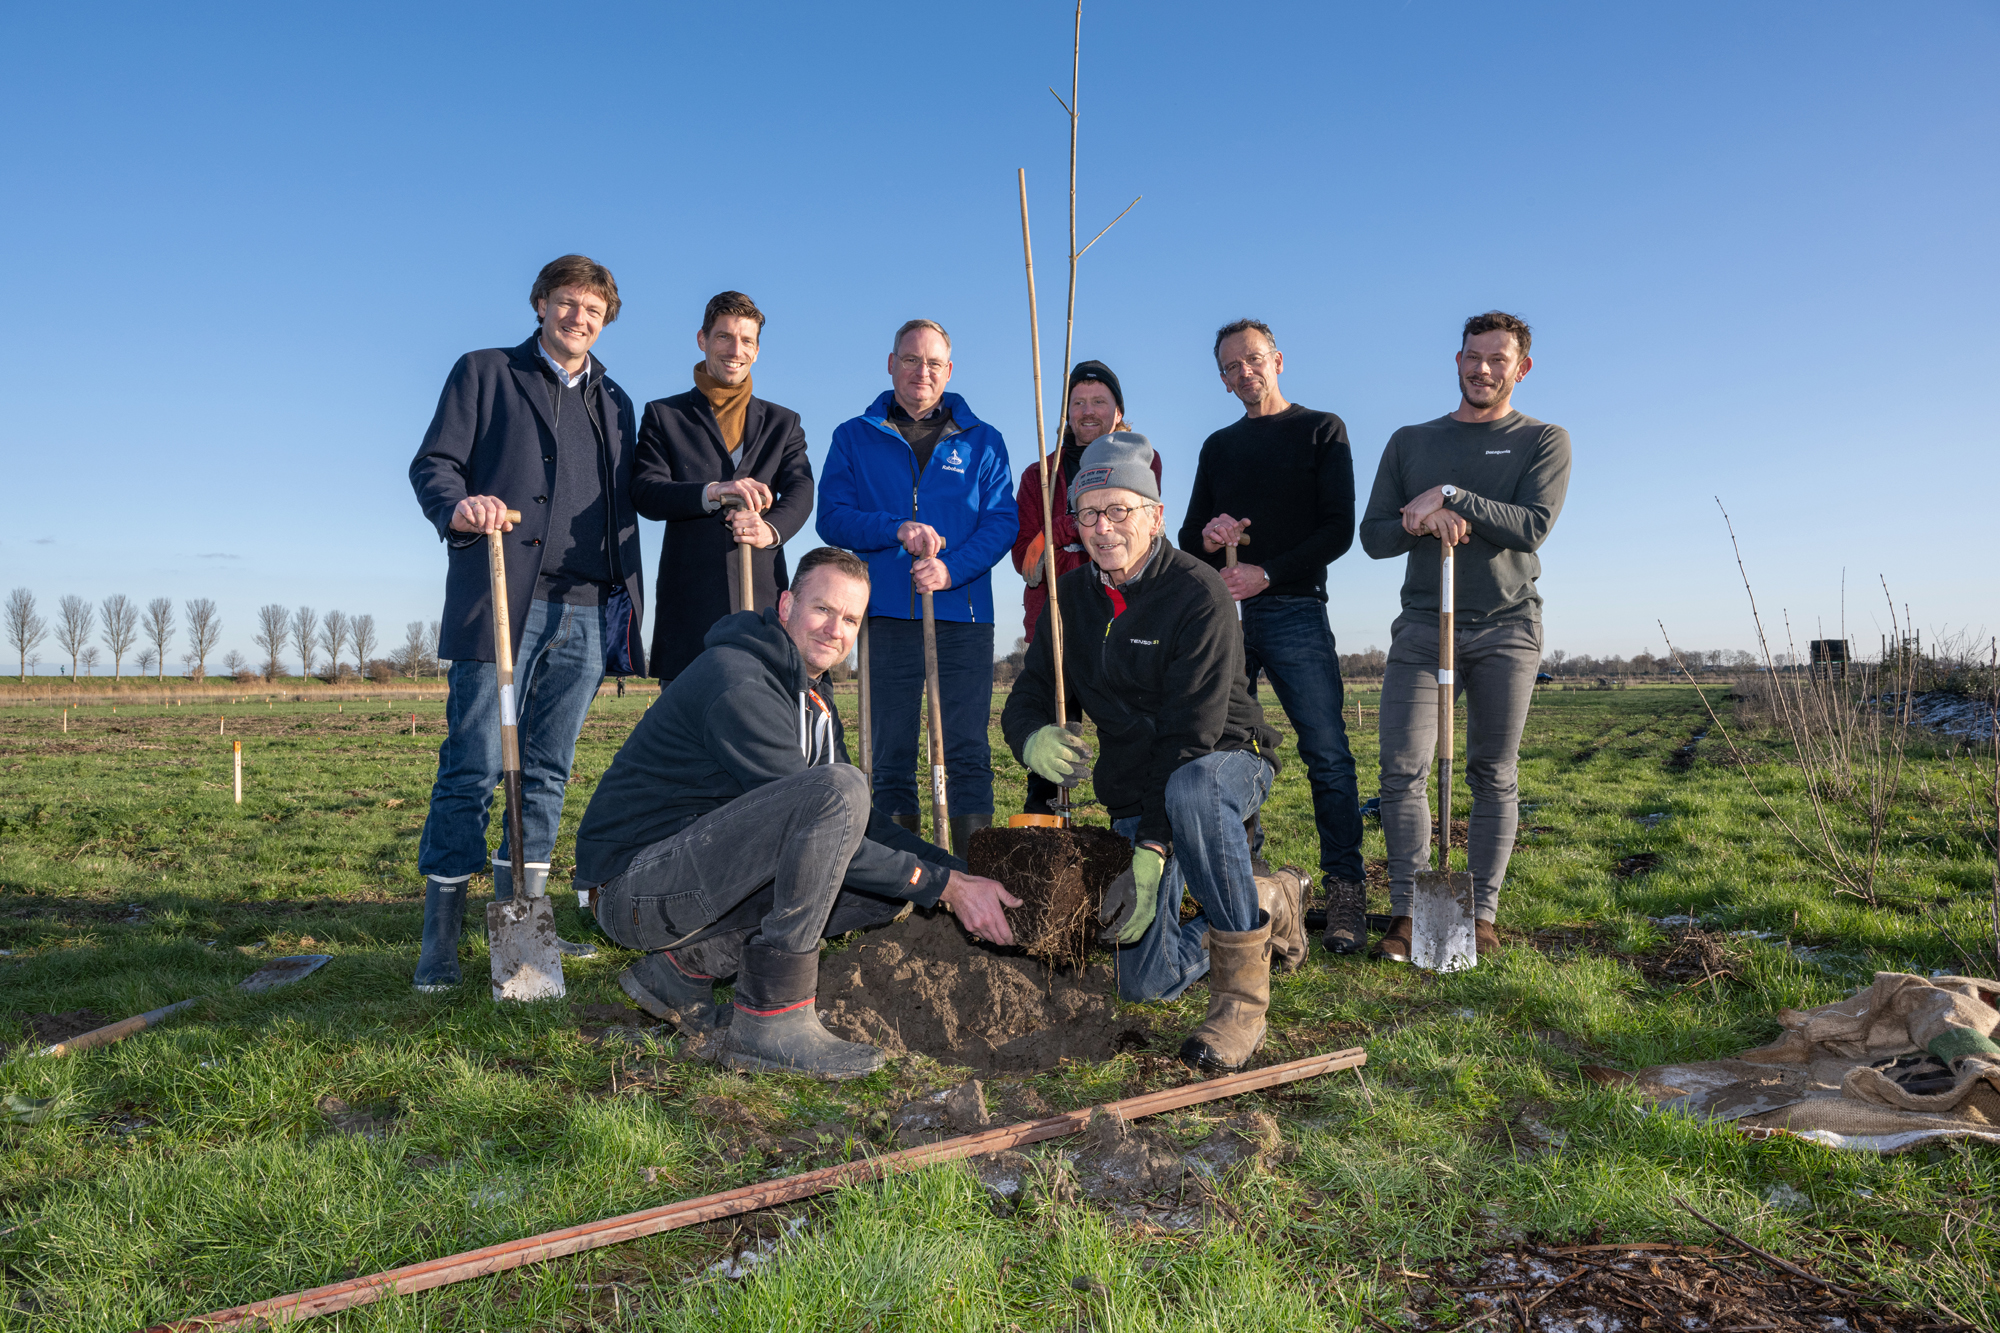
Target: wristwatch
{"type": "Point", "coordinates": [1448, 492]}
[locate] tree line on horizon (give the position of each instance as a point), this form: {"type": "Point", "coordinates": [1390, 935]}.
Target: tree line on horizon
{"type": "Point", "coordinates": [86, 632]}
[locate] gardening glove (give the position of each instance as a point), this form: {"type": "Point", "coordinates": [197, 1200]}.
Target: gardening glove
{"type": "Point", "coordinates": [1138, 890]}
{"type": "Point", "coordinates": [1058, 755]}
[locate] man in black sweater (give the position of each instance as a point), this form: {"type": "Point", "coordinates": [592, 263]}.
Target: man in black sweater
{"type": "Point", "coordinates": [1154, 657]}
{"type": "Point", "coordinates": [730, 835]}
{"type": "Point", "coordinates": [1287, 470]}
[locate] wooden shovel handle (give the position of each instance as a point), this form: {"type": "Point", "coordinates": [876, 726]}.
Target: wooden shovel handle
{"type": "Point", "coordinates": [746, 591]}
{"type": "Point", "coordinates": [111, 1032]}
{"type": "Point", "coordinates": [940, 810]}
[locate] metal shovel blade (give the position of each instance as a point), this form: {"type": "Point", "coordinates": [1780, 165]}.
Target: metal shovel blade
{"type": "Point", "coordinates": [1441, 929]}
{"type": "Point", "coordinates": [284, 971]}
{"type": "Point", "coordinates": [521, 938]}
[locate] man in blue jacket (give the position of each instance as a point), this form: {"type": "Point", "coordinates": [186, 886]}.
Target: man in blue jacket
{"type": "Point", "coordinates": [542, 429]}
{"type": "Point", "coordinates": [919, 488]}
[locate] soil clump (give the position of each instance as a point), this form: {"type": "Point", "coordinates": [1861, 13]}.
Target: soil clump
{"type": "Point", "coordinates": [923, 986]}
{"type": "Point", "coordinates": [1059, 875]}
{"type": "Point", "coordinates": [48, 1029]}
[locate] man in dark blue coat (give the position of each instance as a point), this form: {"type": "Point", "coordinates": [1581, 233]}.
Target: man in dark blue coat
{"type": "Point", "coordinates": [723, 468]}
{"type": "Point", "coordinates": [542, 429]}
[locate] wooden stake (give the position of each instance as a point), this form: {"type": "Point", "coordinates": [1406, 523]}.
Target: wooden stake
{"type": "Point", "coordinates": [864, 720]}
{"type": "Point", "coordinates": [548, 1245]}
{"type": "Point", "coordinates": [237, 747]}
{"type": "Point", "coordinates": [1042, 460]}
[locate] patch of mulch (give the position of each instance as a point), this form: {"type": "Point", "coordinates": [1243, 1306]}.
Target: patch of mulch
{"type": "Point", "coordinates": [1059, 875]}
{"type": "Point", "coordinates": [368, 1122]}
{"type": "Point", "coordinates": [922, 986]}
{"type": "Point", "coordinates": [1632, 867]}
{"type": "Point", "coordinates": [48, 1029]}
{"type": "Point", "coordinates": [1682, 759]}
{"type": "Point", "coordinates": [1655, 1285]}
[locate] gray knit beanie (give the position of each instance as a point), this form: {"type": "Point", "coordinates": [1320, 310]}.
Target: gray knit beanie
{"type": "Point", "coordinates": [1124, 458]}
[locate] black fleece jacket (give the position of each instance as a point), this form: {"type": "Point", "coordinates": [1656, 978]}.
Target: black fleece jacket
{"type": "Point", "coordinates": [1158, 666]}
{"type": "Point", "coordinates": [742, 714]}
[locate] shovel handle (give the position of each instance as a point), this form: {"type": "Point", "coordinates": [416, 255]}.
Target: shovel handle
{"type": "Point", "coordinates": [746, 591]}
{"type": "Point", "coordinates": [864, 718]}
{"type": "Point", "coordinates": [1447, 689]}
{"type": "Point", "coordinates": [510, 736]}
{"type": "Point", "coordinates": [1229, 551]}
{"type": "Point", "coordinates": [111, 1032]}
{"type": "Point", "coordinates": [940, 810]}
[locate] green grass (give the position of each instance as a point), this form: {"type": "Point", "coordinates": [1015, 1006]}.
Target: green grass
{"type": "Point", "coordinates": [190, 1168]}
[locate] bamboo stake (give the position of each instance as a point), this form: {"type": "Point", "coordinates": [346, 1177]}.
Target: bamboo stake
{"type": "Point", "coordinates": [749, 1198]}
{"type": "Point", "coordinates": [1042, 460]}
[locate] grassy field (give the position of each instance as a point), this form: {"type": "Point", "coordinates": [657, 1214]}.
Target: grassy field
{"type": "Point", "coordinates": [263, 1144]}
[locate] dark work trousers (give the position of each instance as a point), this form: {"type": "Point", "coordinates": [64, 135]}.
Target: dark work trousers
{"type": "Point", "coordinates": [1288, 639]}
{"type": "Point", "coordinates": [1494, 674]}
{"type": "Point", "coordinates": [778, 852]}
{"type": "Point", "coordinates": [1041, 795]}
{"type": "Point", "coordinates": [896, 689]}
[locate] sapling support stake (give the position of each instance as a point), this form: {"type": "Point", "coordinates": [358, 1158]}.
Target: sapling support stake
{"type": "Point", "coordinates": [237, 748]}
{"type": "Point", "coordinates": [548, 1245]}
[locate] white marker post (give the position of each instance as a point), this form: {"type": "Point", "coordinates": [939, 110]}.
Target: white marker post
{"type": "Point", "coordinates": [238, 747]}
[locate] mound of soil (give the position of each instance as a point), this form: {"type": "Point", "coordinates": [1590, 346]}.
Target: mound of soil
{"type": "Point", "coordinates": [923, 987]}
{"type": "Point", "coordinates": [1059, 875]}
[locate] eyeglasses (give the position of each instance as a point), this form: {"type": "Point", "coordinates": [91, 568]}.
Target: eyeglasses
{"type": "Point", "coordinates": [1255, 361]}
{"type": "Point", "coordinates": [1087, 518]}
{"type": "Point", "coordinates": [934, 366]}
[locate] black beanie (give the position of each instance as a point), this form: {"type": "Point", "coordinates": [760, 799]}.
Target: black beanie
{"type": "Point", "coordinates": [1101, 373]}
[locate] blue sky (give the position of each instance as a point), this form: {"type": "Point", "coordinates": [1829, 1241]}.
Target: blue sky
{"type": "Point", "coordinates": [1755, 243]}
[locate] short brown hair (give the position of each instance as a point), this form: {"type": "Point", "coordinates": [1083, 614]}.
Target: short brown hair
{"type": "Point", "coordinates": [730, 303]}
{"type": "Point", "coordinates": [1498, 321]}
{"type": "Point", "coordinates": [1236, 326]}
{"type": "Point", "coordinates": [576, 271]}
{"type": "Point", "coordinates": [912, 326]}
{"type": "Point", "coordinates": [828, 557]}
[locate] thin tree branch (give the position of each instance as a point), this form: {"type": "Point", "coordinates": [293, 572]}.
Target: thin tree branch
{"type": "Point", "coordinates": [1108, 226]}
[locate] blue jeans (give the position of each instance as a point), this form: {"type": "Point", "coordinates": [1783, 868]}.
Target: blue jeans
{"type": "Point", "coordinates": [1208, 799]}
{"type": "Point", "coordinates": [896, 702]}
{"type": "Point", "coordinates": [557, 670]}
{"type": "Point", "coordinates": [1289, 640]}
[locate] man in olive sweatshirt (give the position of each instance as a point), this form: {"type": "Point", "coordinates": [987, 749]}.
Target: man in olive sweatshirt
{"type": "Point", "coordinates": [1490, 481]}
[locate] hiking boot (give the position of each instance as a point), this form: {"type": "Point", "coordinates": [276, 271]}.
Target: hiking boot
{"type": "Point", "coordinates": [1283, 898]}
{"type": "Point", "coordinates": [1485, 937]}
{"type": "Point", "coordinates": [1346, 917]}
{"type": "Point", "coordinates": [962, 829]}
{"type": "Point", "coordinates": [1395, 946]}
{"type": "Point", "coordinates": [665, 987]}
{"type": "Point", "coordinates": [1239, 993]}
{"type": "Point", "coordinates": [538, 887]}
{"type": "Point", "coordinates": [776, 1025]}
{"type": "Point", "coordinates": [444, 921]}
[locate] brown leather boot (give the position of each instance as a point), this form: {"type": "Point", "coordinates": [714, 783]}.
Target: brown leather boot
{"type": "Point", "coordinates": [1485, 938]}
{"type": "Point", "coordinates": [1282, 896]}
{"type": "Point", "coordinates": [1239, 993]}
{"type": "Point", "coordinates": [1394, 946]}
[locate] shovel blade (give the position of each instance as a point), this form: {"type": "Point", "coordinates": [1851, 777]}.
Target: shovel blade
{"type": "Point", "coordinates": [1441, 922]}
{"type": "Point", "coordinates": [284, 971]}
{"type": "Point", "coordinates": [521, 939]}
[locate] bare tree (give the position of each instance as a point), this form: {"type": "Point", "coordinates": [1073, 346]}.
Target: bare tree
{"type": "Point", "coordinates": [145, 659]}
{"type": "Point", "coordinates": [233, 662]}
{"type": "Point", "coordinates": [333, 638]}
{"type": "Point", "coordinates": [90, 657]}
{"type": "Point", "coordinates": [158, 625]}
{"type": "Point", "coordinates": [204, 628]}
{"type": "Point", "coordinates": [305, 623]}
{"type": "Point", "coordinates": [433, 637]}
{"type": "Point", "coordinates": [121, 630]}
{"type": "Point", "coordinates": [274, 631]}
{"type": "Point", "coordinates": [411, 655]}
{"type": "Point", "coordinates": [362, 634]}
{"type": "Point", "coordinates": [76, 619]}
{"type": "Point", "coordinates": [25, 629]}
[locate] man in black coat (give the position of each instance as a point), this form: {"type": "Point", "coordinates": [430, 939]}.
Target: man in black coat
{"type": "Point", "coordinates": [730, 835]}
{"type": "Point", "coordinates": [538, 428]}
{"type": "Point", "coordinates": [723, 468]}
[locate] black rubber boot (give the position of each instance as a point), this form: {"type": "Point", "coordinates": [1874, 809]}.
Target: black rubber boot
{"type": "Point", "coordinates": [962, 829]}
{"type": "Point", "coordinates": [1346, 917]}
{"type": "Point", "coordinates": [1041, 795]}
{"type": "Point", "coordinates": [776, 1026]}
{"type": "Point", "coordinates": [538, 887]}
{"type": "Point", "coordinates": [914, 823]}
{"type": "Point", "coordinates": [444, 921]}
{"type": "Point", "coordinates": [667, 987]}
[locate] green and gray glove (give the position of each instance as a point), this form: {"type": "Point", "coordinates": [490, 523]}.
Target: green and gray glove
{"type": "Point", "coordinates": [1057, 754]}
{"type": "Point", "coordinates": [1133, 899]}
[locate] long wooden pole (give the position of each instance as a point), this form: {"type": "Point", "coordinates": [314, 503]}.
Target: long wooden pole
{"type": "Point", "coordinates": [1042, 461]}
{"type": "Point", "coordinates": [940, 807]}
{"type": "Point", "coordinates": [510, 736]}
{"type": "Point", "coordinates": [749, 1198]}
{"type": "Point", "coordinates": [864, 718]}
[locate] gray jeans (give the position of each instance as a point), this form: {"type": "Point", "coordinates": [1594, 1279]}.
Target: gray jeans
{"type": "Point", "coordinates": [1495, 678]}
{"type": "Point", "coordinates": [771, 860]}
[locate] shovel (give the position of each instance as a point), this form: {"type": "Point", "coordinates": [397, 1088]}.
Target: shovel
{"type": "Point", "coordinates": [940, 810]}
{"type": "Point", "coordinates": [278, 972]}
{"type": "Point", "coordinates": [521, 932]}
{"type": "Point", "coordinates": [1441, 911]}
{"type": "Point", "coordinates": [746, 587]}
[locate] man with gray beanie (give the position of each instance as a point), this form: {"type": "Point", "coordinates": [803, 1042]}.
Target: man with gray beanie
{"type": "Point", "coordinates": [1187, 758]}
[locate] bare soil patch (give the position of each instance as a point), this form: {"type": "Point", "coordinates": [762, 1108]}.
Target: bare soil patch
{"type": "Point", "coordinates": [923, 987]}
{"type": "Point", "coordinates": [47, 1029]}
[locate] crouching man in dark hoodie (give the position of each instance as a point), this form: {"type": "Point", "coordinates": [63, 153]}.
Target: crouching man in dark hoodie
{"type": "Point", "coordinates": [730, 835]}
{"type": "Point", "coordinates": [1156, 659]}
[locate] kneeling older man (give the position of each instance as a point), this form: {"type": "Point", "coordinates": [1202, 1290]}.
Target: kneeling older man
{"type": "Point", "coordinates": [730, 835]}
{"type": "Point", "coordinates": [1156, 659]}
